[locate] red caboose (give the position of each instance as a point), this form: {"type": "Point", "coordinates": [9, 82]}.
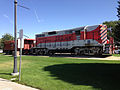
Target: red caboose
{"type": "Point", "coordinates": [9, 46]}
{"type": "Point", "coordinates": [28, 44]}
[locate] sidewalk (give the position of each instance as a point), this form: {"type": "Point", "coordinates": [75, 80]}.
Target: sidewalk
{"type": "Point", "coordinates": [8, 85]}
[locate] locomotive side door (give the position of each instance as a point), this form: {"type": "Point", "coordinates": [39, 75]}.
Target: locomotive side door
{"type": "Point", "coordinates": [77, 33]}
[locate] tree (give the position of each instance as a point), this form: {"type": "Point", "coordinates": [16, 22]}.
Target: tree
{"type": "Point", "coordinates": [116, 29]}
{"type": "Point", "coordinates": [116, 33]}
{"type": "Point", "coordinates": [118, 10]}
{"type": "Point", "coordinates": [5, 37]}
{"type": "Point", "coordinates": [112, 25]}
{"type": "Point", "coordinates": [115, 25]}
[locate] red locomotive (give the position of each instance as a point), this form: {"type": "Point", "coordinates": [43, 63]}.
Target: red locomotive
{"type": "Point", "coordinates": [9, 46]}
{"type": "Point", "coordinates": [82, 40]}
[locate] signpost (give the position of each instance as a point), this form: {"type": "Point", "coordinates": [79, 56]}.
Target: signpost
{"type": "Point", "coordinates": [21, 46]}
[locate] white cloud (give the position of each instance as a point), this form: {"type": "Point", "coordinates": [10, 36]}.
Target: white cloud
{"type": "Point", "coordinates": [37, 16]}
{"type": "Point", "coordinates": [7, 17]}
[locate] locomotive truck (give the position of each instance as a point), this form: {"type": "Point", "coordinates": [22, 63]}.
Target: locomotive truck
{"type": "Point", "coordinates": [81, 40]}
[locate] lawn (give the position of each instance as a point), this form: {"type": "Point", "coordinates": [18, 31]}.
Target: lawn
{"type": "Point", "coordinates": [58, 73]}
{"type": "Point", "coordinates": [117, 55]}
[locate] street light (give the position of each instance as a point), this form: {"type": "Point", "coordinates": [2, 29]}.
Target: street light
{"type": "Point", "coordinates": [15, 72]}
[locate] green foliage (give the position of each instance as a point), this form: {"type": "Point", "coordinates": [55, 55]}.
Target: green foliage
{"type": "Point", "coordinates": [116, 32]}
{"type": "Point", "coordinates": [118, 10]}
{"type": "Point", "coordinates": [112, 25]}
{"type": "Point", "coordinates": [5, 37]}
{"type": "Point", "coordinates": [115, 27]}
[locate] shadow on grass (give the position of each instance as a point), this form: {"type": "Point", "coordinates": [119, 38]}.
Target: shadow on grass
{"type": "Point", "coordinates": [81, 56]}
{"type": "Point", "coordinates": [98, 75]}
{"type": "Point", "coordinates": [5, 73]}
{"type": "Point", "coordinates": [76, 56]}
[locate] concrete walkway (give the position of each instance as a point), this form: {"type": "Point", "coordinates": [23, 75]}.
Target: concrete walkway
{"type": "Point", "coordinates": [8, 85]}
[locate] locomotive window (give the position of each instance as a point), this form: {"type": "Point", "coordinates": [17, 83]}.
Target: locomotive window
{"type": "Point", "coordinates": [51, 33]}
{"type": "Point", "coordinates": [40, 35]}
{"type": "Point", "coordinates": [77, 32]}
{"type": "Point", "coordinates": [68, 32]}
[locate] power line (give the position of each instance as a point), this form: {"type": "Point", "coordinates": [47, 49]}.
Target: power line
{"type": "Point", "coordinates": [24, 7]}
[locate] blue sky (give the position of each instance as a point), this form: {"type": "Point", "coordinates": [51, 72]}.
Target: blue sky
{"type": "Point", "coordinates": [48, 15]}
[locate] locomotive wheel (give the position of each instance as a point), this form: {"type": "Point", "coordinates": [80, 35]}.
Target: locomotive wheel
{"type": "Point", "coordinates": [51, 53]}
{"type": "Point", "coordinates": [81, 52]}
{"type": "Point", "coordinates": [40, 53]}
{"type": "Point", "coordinates": [98, 54]}
{"type": "Point", "coordinates": [77, 51]}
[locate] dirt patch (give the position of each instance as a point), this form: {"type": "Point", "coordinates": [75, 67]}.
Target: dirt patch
{"type": "Point", "coordinates": [98, 58]}
{"type": "Point", "coordinates": [9, 64]}
{"type": "Point", "coordinates": [113, 58]}
{"type": "Point", "coordinates": [6, 64]}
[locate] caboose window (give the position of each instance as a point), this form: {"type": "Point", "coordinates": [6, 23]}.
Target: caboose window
{"type": "Point", "coordinates": [51, 33]}
{"type": "Point", "coordinates": [77, 32]}
{"type": "Point", "coordinates": [11, 44]}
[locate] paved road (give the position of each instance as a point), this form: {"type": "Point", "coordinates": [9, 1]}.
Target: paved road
{"type": "Point", "coordinates": [8, 85]}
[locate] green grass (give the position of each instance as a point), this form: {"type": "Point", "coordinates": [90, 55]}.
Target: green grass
{"type": "Point", "coordinates": [117, 55]}
{"type": "Point", "coordinates": [56, 73]}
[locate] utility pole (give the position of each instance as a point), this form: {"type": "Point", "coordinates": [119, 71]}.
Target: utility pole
{"type": "Point", "coordinates": [15, 71]}
{"type": "Point", "coordinates": [15, 38]}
